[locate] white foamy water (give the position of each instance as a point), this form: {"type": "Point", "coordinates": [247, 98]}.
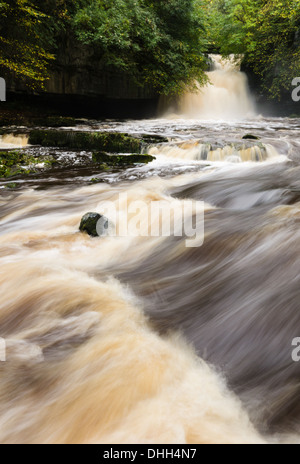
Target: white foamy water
{"type": "Point", "coordinates": [13, 141]}
{"type": "Point", "coordinates": [140, 339]}
{"type": "Point", "coordinates": [225, 97]}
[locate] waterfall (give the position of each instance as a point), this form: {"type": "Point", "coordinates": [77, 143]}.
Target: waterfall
{"type": "Point", "coordinates": [9, 141]}
{"type": "Point", "coordinates": [225, 97]}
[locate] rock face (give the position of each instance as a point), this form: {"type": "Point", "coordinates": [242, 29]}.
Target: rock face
{"type": "Point", "coordinates": [79, 84]}
{"type": "Point", "coordinates": [78, 70]}
{"type": "Point", "coordinates": [94, 224]}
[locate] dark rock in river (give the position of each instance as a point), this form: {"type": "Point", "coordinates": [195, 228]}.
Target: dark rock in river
{"type": "Point", "coordinates": [121, 160]}
{"type": "Point", "coordinates": [94, 224]}
{"type": "Point", "coordinates": [251, 137]}
{"type": "Point", "coordinates": [107, 141]}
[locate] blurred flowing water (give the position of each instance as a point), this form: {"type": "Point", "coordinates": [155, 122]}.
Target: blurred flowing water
{"type": "Point", "coordinates": [142, 340]}
{"type": "Point", "coordinates": [226, 95]}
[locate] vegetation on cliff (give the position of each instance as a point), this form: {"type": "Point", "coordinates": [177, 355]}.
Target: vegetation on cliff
{"type": "Point", "coordinates": [22, 51]}
{"type": "Point", "coordinates": [158, 42]}
{"type": "Point", "coordinates": [266, 32]}
{"type": "Point", "coordinates": [161, 43]}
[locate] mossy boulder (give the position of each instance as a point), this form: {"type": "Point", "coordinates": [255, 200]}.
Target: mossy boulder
{"type": "Point", "coordinates": [13, 163]}
{"type": "Point", "coordinates": [94, 224]}
{"type": "Point", "coordinates": [103, 141]}
{"type": "Point", "coordinates": [121, 160]}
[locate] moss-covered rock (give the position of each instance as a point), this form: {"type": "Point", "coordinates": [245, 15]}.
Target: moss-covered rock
{"type": "Point", "coordinates": [94, 224]}
{"type": "Point", "coordinates": [104, 141]}
{"type": "Point", "coordinates": [11, 185]}
{"type": "Point", "coordinates": [14, 163]}
{"type": "Point", "coordinates": [17, 117]}
{"type": "Point", "coordinates": [121, 160]}
{"type": "Point", "coordinates": [95, 180]}
{"type": "Point", "coordinates": [11, 158]}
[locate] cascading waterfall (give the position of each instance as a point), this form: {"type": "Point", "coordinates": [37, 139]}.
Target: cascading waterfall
{"type": "Point", "coordinates": [225, 97]}
{"type": "Point", "coordinates": [8, 141]}
{"type": "Point", "coordinates": [231, 152]}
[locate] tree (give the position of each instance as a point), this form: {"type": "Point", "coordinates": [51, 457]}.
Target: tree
{"type": "Point", "coordinates": [157, 42]}
{"type": "Point", "coordinates": [21, 48]}
{"type": "Point", "coordinates": [272, 48]}
{"type": "Point", "coordinates": [266, 32]}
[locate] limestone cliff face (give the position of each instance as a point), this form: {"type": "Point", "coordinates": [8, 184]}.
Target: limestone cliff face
{"type": "Point", "coordinates": [95, 82]}
{"type": "Point", "coordinates": [78, 70]}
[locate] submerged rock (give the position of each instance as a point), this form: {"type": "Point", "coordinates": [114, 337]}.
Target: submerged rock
{"type": "Point", "coordinates": [94, 224]}
{"type": "Point", "coordinates": [251, 137]}
{"type": "Point", "coordinates": [121, 160]}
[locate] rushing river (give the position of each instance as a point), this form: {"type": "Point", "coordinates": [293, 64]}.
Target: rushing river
{"type": "Point", "coordinates": [142, 339]}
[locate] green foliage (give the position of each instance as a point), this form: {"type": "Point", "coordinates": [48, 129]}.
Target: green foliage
{"type": "Point", "coordinates": [13, 163]}
{"type": "Point", "coordinates": [159, 42]}
{"type": "Point", "coordinates": [21, 50]}
{"type": "Point", "coordinates": [267, 32]}
{"type": "Point", "coordinates": [11, 185]}
{"type": "Point", "coordinates": [30, 32]}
